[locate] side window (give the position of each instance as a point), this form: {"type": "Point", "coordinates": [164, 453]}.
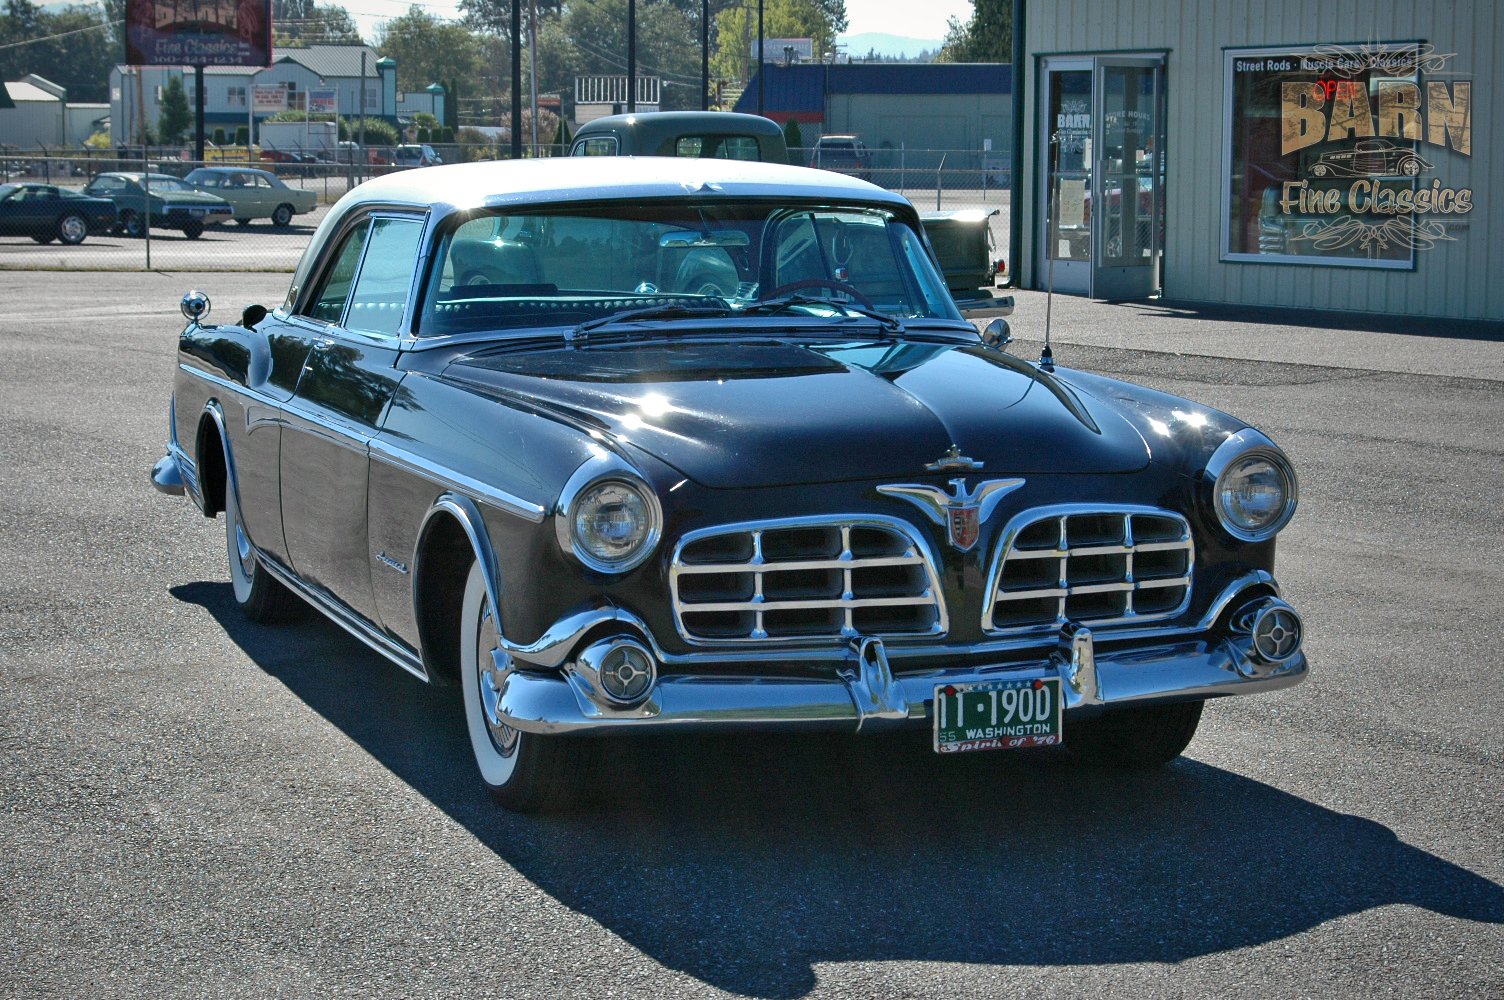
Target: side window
{"type": "Point", "coordinates": [689, 145]}
{"type": "Point", "coordinates": [209, 180]}
{"type": "Point", "coordinates": [329, 301]}
{"type": "Point", "coordinates": [385, 277]}
{"type": "Point", "coordinates": [739, 147]}
{"type": "Point", "coordinates": [600, 146]}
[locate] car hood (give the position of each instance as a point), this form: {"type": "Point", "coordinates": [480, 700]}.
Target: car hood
{"type": "Point", "coordinates": [737, 413]}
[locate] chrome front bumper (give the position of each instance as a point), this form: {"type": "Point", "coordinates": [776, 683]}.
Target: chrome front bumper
{"type": "Point", "coordinates": [868, 696]}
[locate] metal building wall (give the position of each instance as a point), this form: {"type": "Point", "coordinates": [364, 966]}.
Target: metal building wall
{"type": "Point", "coordinates": [923, 121]}
{"type": "Point", "coordinates": [1461, 280]}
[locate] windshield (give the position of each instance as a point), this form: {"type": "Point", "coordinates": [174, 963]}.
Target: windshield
{"type": "Point", "coordinates": [564, 267]}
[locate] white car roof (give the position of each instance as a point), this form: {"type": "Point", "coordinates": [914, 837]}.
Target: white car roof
{"type": "Point", "coordinates": [463, 186]}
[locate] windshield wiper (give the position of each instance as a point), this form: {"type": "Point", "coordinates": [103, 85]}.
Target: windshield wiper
{"type": "Point", "coordinates": [890, 324]}
{"type": "Point", "coordinates": [715, 309]}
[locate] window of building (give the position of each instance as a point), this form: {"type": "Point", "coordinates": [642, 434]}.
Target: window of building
{"type": "Point", "coordinates": [1324, 149]}
{"type": "Point", "coordinates": [235, 97]}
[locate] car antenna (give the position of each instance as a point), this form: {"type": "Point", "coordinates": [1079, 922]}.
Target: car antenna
{"type": "Point", "coordinates": [1047, 356]}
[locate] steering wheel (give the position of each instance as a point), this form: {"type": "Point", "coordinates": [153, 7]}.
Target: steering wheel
{"type": "Point", "coordinates": [839, 286]}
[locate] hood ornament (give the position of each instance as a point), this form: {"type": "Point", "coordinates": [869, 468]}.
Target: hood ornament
{"type": "Point", "coordinates": [960, 513]}
{"type": "Point", "coordinates": [954, 461]}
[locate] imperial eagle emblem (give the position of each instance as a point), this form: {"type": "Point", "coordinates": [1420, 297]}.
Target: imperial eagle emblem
{"type": "Point", "coordinates": [960, 513]}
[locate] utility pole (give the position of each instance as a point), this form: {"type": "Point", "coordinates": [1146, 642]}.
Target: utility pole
{"type": "Point", "coordinates": [704, 55]}
{"type": "Point", "coordinates": [759, 57]}
{"type": "Point", "coordinates": [361, 139]}
{"type": "Point", "coordinates": [532, 66]}
{"type": "Point", "coordinates": [631, 56]}
{"type": "Point", "coordinates": [516, 79]}
{"type": "Point", "coordinates": [198, 112]}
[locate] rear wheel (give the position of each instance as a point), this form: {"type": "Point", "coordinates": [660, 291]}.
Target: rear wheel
{"type": "Point", "coordinates": [261, 597]}
{"type": "Point", "coordinates": [43, 237]}
{"type": "Point", "coordinates": [71, 229]}
{"type": "Point", "coordinates": [242, 222]}
{"type": "Point", "coordinates": [526, 772]}
{"type": "Point", "coordinates": [282, 215]}
{"type": "Point", "coordinates": [133, 224]}
{"type": "Point", "coordinates": [1135, 738]}
{"type": "Point", "coordinates": [193, 230]}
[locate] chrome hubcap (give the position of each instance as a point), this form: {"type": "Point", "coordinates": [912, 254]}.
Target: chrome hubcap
{"type": "Point", "coordinates": [73, 227]}
{"type": "Point", "coordinates": [492, 666]}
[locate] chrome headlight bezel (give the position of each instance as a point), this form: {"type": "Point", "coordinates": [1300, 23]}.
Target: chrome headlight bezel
{"type": "Point", "coordinates": [605, 470]}
{"type": "Point", "coordinates": [1236, 452]}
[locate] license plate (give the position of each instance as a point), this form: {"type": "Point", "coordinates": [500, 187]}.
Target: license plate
{"type": "Point", "coordinates": [998, 715]}
{"type": "Point", "coordinates": [197, 212]}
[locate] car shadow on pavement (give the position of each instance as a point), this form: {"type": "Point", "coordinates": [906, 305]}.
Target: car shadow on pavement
{"type": "Point", "coordinates": [745, 862]}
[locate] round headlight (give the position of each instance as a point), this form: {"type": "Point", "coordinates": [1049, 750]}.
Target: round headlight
{"type": "Point", "coordinates": [1255, 496]}
{"type": "Point", "coordinates": [614, 524]}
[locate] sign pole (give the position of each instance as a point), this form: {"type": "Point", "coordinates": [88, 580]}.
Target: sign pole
{"type": "Point", "coordinates": [198, 112]}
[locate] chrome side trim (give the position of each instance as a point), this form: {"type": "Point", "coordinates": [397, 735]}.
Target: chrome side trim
{"type": "Point", "coordinates": [401, 458]}
{"type": "Point", "coordinates": [1062, 590]}
{"type": "Point", "coordinates": [346, 619]}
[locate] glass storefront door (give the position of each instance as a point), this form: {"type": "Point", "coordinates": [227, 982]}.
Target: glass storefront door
{"type": "Point", "coordinates": [1102, 157]}
{"type": "Point", "coordinates": [1065, 142]}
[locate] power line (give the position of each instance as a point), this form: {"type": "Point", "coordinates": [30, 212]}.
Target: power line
{"type": "Point", "coordinates": [61, 34]}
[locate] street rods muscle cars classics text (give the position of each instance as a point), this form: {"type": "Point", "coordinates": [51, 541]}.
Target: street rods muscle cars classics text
{"type": "Point", "coordinates": [641, 445]}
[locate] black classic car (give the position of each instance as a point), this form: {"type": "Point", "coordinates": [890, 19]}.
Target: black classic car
{"type": "Point", "coordinates": [46, 212]}
{"type": "Point", "coordinates": [504, 432]}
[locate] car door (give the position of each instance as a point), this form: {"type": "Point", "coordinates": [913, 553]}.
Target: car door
{"type": "Point", "coordinates": [346, 384]}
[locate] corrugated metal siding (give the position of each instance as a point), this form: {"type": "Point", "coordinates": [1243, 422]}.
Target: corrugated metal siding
{"type": "Point", "coordinates": [1459, 280]}
{"type": "Point", "coordinates": [803, 88]}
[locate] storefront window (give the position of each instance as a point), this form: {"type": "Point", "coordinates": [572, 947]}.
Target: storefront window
{"type": "Point", "coordinates": [1328, 154]}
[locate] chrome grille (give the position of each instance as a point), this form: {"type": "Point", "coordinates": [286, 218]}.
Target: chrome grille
{"type": "Point", "coordinates": [803, 579]}
{"type": "Point", "coordinates": [1095, 566]}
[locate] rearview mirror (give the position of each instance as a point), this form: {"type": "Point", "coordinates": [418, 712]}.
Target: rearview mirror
{"type": "Point", "coordinates": [679, 239]}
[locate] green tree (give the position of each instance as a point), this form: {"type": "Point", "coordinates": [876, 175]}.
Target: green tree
{"type": "Point", "coordinates": [986, 37]}
{"type": "Point", "coordinates": [80, 60]}
{"type": "Point", "coordinates": [428, 49]}
{"type": "Point", "coordinates": [736, 32]}
{"type": "Point", "coordinates": [173, 118]}
{"type": "Point", "coordinates": [306, 22]}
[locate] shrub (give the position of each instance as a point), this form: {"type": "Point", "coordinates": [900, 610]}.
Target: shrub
{"type": "Point", "coordinates": [242, 135]}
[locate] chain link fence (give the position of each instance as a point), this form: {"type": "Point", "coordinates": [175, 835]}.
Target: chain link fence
{"type": "Point", "coordinates": [167, 215]}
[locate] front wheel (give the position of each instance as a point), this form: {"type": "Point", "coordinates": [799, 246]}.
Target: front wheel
{"type": "Point", "coordinates": [193, 230]}
{"type": "Point", "coordinates": [43, 238]}
{"type": "Point", "coordinates": [71, 229]}
{"type": "Point", "coordinates": [525, 772]}
{"type": "Point", "coordinates": [133, 224]}
{"type": "Point", "coordinates": [1135, 738]}
{"type": "Point", "coordinates": [261, 597]}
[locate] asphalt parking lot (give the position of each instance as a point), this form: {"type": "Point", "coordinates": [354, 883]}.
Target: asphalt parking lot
{"type": "Point", "coordinates": [198, 806]}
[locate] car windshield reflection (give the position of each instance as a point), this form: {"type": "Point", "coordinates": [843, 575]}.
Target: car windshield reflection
{"type": "Point", "coordinates": [570, 268]}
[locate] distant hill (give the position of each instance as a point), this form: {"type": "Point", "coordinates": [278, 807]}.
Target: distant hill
{"type": "Point", "coordinates": [890, 46]}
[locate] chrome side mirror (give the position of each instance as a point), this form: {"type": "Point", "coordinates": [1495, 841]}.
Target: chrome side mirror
{"type": "Point", "coordinates": [996, 334]}
{"type": "Point", "coordinates": [195, 306]}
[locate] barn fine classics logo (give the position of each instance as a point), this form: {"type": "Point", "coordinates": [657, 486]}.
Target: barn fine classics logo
{"type": "Point", "coordinates": [1382, 124]}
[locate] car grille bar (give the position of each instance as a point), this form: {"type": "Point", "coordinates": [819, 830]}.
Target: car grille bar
{"type": "Point", "coordinates": [805, 579]}
{"type": "Point", "coordinates": [1091, 565]}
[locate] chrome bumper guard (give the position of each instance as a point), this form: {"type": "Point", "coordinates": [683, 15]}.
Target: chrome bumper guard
{"type": "Point", "coordinates": [868, 696]}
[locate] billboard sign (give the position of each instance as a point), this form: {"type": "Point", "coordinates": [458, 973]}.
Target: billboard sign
{"type": "Point", "coordinates": [322, 102]}
{"type": "Point", "coordinates": [198, 32]}
{"type": "Point", "coordinates": [268, 99]}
